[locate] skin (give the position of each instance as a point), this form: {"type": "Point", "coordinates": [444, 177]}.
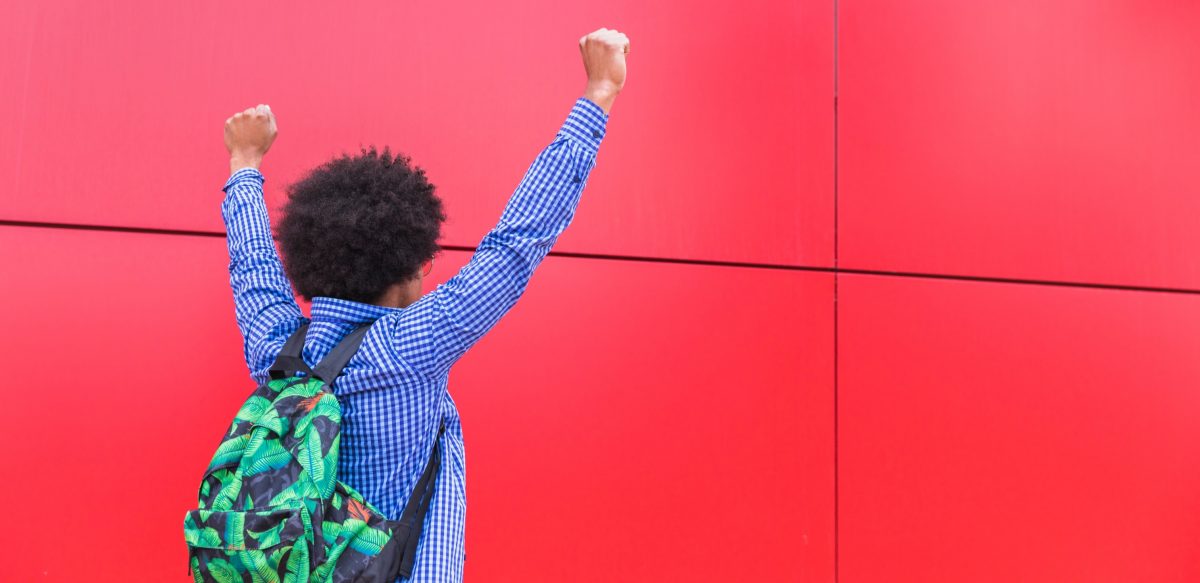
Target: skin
{"type": "Point", "coordinates": [250, 133]}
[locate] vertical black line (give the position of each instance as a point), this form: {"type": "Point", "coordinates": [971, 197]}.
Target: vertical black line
{"type": "Point", "coordinates": [836, 239]}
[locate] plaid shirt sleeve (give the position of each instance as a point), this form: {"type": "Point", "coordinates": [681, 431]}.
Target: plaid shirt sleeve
{"type": "Point", "coordinates": [262, 295]}
{"type": "Point", "coordinates": [433, 333]}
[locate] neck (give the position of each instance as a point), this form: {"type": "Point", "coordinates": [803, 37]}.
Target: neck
{"type": "Point", "coordinates": [400, 295]}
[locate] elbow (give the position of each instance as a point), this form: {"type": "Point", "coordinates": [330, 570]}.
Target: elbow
{"type": "Point", "coordinates": [519, 254]}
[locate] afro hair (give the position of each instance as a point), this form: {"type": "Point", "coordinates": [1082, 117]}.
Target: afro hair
{"type": "Point", "coordinates": [358, 224]}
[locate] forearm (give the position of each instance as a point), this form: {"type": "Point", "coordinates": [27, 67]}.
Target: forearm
{"type": "Point", "coordinates": [544, 203]}
{"type": "Point", "coordinates": [263, 298]}
{"type": "Point", "coordinates": [459, 312]}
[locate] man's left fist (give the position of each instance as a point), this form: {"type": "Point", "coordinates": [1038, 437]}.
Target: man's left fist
{"type": "Point", "coordinates": [248, 136]}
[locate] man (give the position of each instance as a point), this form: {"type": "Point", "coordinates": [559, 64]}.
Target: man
{"type": "Point", "coordinates": [358, 235]}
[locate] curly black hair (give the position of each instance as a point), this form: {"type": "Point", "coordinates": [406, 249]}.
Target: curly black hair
{"type": "Point", "coordinates": [357, 224]}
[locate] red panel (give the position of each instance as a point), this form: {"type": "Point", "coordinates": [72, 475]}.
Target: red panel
{"type": "Point", "coordinates": [992, 432]}
{"type": "Point", "coordinates": [1048, 139]}
{"type": "Point", "coordinates": [653, 422]}
{"type": "Point", "coordinates": [122, 362]}
{"type": "Point", "coordinates": [17, 29]}
{"type": "Point", "coordinates": [594, 435]}
{"type": "Point", "coordinates": [124, 102]}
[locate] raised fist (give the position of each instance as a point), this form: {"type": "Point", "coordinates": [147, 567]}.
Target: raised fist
{"type": "Point", "coordinates": [248, 136]}
{"type": "Point", "coordinates": [603, 54]}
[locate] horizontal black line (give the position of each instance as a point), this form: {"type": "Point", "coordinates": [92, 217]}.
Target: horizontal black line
{"type": "Point", "coordinates": [674, 260]}
{"type": "Point", "coordinates": [679, 261]}
{"type": "Point", "coordinates": [876, 272]}
{"type": "Point", "coordinates": [109, 228]}
{"type": "Point", "coordinates": [1018, 281]}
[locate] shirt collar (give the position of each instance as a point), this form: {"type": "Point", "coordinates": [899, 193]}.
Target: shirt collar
{"type": "Point", "coordinates": [335, 309]}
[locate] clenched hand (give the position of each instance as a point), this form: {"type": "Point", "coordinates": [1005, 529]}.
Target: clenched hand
{"type": "Point", "coordinates": [603, 54]}
{"type": "Point", "coordinates": [248, 136]}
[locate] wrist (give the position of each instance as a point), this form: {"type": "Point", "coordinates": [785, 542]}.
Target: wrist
{"type": "Point", "coordinates": [601, 93]}
{"type": "Point", "coordinates": [239, 160]}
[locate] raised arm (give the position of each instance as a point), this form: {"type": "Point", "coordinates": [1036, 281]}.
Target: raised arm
{"type": "Point", "coordinates": [434, 332]}
{"type": "Point", "coordinates": [262, 296]}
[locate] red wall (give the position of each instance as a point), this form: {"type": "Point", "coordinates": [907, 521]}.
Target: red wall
{"type": "Point", "coordinates": [973, 359]}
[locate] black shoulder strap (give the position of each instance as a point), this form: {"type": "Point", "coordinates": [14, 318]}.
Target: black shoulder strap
{"type": "Point", "coordinates": [412, 521]}
{"type": "Point", "coordinates": [290, 359]}
{"type": "Point", "coordinates": [331, 366]}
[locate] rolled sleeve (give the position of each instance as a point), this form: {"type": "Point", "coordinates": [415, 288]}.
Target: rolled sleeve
{"type": "Point", "coordinates": [251, 175]}
{"type": "Point", "coordinates": [585, 124]}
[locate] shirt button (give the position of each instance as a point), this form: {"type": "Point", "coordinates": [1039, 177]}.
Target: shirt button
{"type": "Point", "coordinates": [595, 133]}
{"type": "Point", "coordinates": [576, 179]}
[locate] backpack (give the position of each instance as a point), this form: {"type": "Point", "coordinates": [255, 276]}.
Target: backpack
{"type": "Point", "coordinates": [270, 505]}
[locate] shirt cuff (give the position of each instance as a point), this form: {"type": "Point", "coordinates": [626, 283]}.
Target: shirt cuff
{"type": "Point", "coordinates": [244, 175]}
{"type": "Point", "coordinates": [585, 124]}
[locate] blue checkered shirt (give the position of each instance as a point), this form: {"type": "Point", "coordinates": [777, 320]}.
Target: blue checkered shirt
{"type": "Point", "coordinates": [393, 392]}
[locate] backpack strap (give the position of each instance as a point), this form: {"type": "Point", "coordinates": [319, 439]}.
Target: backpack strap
{"type": "Point", "coordinates": [331, 366]}
{"type": "Point", "coordinates": [289, 362]}
{"type": "Point", "coordinates": [412, 521]}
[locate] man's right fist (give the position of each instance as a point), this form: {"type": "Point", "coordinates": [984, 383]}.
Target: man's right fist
{"type": "Point", "coordinates": [603, 54]}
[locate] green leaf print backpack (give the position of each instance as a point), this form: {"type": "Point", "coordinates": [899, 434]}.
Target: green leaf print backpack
{"type": "Point", "coordinates": [271, 507]}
